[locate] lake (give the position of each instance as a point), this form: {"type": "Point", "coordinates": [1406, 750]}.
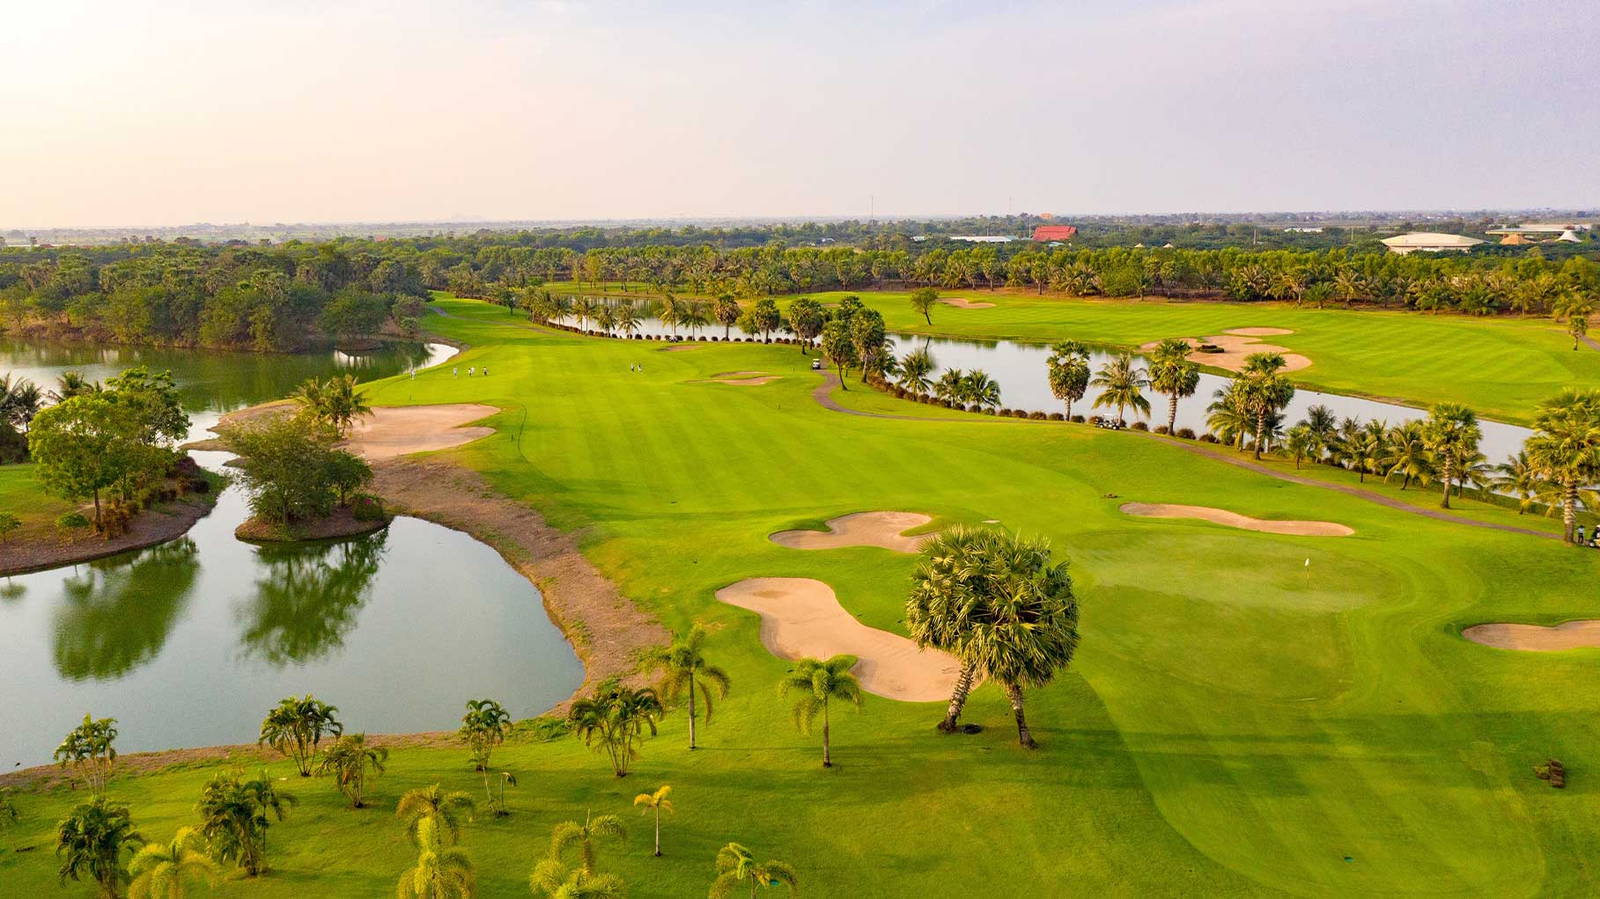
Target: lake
{"type": "Point", "coordinates": [189, 643]}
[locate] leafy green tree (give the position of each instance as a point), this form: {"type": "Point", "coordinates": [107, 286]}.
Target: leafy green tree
{"type": "Point", "coordinates": [922, 300]}
{"type": "Point", "coordinates": [738, 868]}
{"type": "Point", "coordinates": [1173, 373]}
{"type": "Point", "coordinates": [155, 402]}
{"type": "Point", "coordinates": [441, 871]}
{"type": "Point", "coordinates": [585, 838]}
{"type": "Point", "coordinates": [815, 685]}
{"type": "Point", "coordinates": [684, 670]}
{"type": "Point", "coordinates": [1452, 435]}
{"type": "Point", "coordinates": [89, 444]}
{"type": "Point", "coordinates": [290, 468]}
{"type": "Point", "coordinates": [1122, 384]}
{"type": "Point", "coordinates": [92, 841]}
{"type": "Point", "coordinates": [1565, 449]}
{"type": "Point", "coordinates": [235, 815]}
{"type": "Point", "coordinates": [90, 751]}
{"type": "Point", "coordinates": [656, 802]}
{"type": "Point", "coordinates": [295, 727]}
{"type": "Point", "coordinates": [951, 386]}
{"type": "Point", "coordinates": [436, 807]}
{"type": "Point", "coordinates": [614, 719]}
{"type": "Point", "coordinates": [352, 763]}
{"type": "Point", "coordinates": [553, 879]}
{"type": "Point", "coordinates": [1068, 368]}
{"type": "Point", "coordinates": [165, 870]}
{"type": "Point", "coordinates": [839, 348]}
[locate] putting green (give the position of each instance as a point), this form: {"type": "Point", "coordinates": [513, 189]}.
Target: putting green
{"type": "Point", "coordinates": [1237, 721]}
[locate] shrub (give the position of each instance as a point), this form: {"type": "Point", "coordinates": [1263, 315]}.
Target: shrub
{"type": "Point", "coordinates": [72, 520]}
{"type": "Point", "coordinates": [366, 507]}
{"type": "Point", "coordinates": [1186, 433]}
{"type": "Point", "coordinates": [987, 411]}
{"type": "Point", "coordinates": [1036, 416]}
{"type": "Point", "coordinates": [1208, 437]}
{"type": "Point", "coordinates": [1077, 419]}
{"type": "Point", "coordinates": [1139, 426]}
{"type": "Point", "coordinates": [1161, 429]}
{"type": "Point", "coordinates": [1057, 416]}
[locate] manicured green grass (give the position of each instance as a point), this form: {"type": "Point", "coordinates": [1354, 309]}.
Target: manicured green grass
{"type": "Point", "coordinates": [1502, 367]}
{"type": "Point", "coordinates": [22, 495]}
{"type": "Point", "coordinates": [1248, 713]}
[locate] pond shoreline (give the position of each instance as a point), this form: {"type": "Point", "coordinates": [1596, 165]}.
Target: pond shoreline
{"type": "Point", "coordinates": [154, 526]}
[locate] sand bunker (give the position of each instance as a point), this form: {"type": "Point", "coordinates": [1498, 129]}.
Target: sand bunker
{"type": "Point", "coordinates": [741, 378]}
{"type": "Point", "coordinates": [802, 617]}
{"type": "Point", "coordinates": [678, 348]}
{"type": "Point", "coordinates": [885, 529]}
{"type": "Point", "coordinates": [961, 303]}
{"type": "Point", "coordinates": [397, 430]}
{"type": "Point", "coordinates": [1535, 638]}
{"type": "Point", "coordinates": [1236, 344]}
{"type": "Point", "coordinates": [1235, 520]}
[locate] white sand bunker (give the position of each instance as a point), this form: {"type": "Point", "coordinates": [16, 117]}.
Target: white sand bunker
{"type": "Point", "coordinates": [741, 378]}
{"type": "Point", "coordinates": [802, 617]}
{"type": "Point", "coordinates": [962, 303]}
{"type": "Point", "coordinates": [885, 529]}
{"type": "Point", "coordinates": [397, 430]}
{"type": "Point", "coordinates": [1235, 520]}
{"type": "Point", "coordinates": [1535, 638]}
{"type": "Point", "coordinates": [1236, 344]}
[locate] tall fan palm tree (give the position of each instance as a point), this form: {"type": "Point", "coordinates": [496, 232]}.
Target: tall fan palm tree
{"type": "Point", "coordinates": [1452, 434]}
{"type": "Point", "coordinates": [953, 570]}
{"type": "Point", "coordinates": [1565, 448]}
{"type": "Point", "coordinates": [1122, 384]}
{"type": "Point", "coordinates": [165, 870]}
{"type": "Point", "coordinates": [438, 807]}
{"type": "Point", "coordinates": [295, 727]}
{"type": "Point", "coordinates": [684, 670]}
{"type": "Point", "coordinates": [586, 838]}
{"type": "Point", "coordinates": [1068, 370]}
{"type": "Point", "coordinates": [915, 367]}
{"type": "Point", "coordinates": [614, 718]}
{"type": "Point", "coordinates": [737, 867]}
{"type": "Point", "coordinates": [656, 802]}
{"type": "Point", "coordinates": [441, 871]}
{"type": "Point", "coordinates": [1264, 390]}
{"type": "Point", "coordinates": [817, 683]}
{"type": "Point", "coordinates": [92, 840]}
{"type": "Point", "coordinates": [353, 762]}
{"type": "Point", "coordinates": [1173, 373]}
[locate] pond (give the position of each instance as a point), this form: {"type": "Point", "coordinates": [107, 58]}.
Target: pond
{"type": "Point", "coordinates": [189, 643]}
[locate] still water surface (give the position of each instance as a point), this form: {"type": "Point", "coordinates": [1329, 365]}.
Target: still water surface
{"type": "Point", "coordinates": [189, 643]}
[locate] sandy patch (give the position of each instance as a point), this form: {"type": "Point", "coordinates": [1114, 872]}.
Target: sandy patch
{"type": "Point", "coordinates": [678, 348]}
{"type": "Point", "coordinates": [1260, 332]}
{"type": "Point", "coordinates": [961, 303]}
{"type": "Point", "coordinates": [1236, 345]}
{"type": "Point", "coordinates": [397, 430]}
{"type": "Point", "coordinates": [885, 529]}
{"type": "Point", "coordinates": [741, 378]}
{"type": "Point", "coordinates": [1535, 638]}
{"type": "Point", "coordinates": [802, 617]}
{"type": "Point", "coordinates": [1235, 520]}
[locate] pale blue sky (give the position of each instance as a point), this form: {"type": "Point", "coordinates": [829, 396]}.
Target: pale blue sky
{"type": "Point", "coordinates": [169, 113]}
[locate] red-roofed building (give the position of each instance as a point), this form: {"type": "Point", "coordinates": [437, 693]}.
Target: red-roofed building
{"type": "Point", "coordinates": [1048, 233]}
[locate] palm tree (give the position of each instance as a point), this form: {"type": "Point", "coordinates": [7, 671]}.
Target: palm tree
{"type": "Point", "coordinates": [1121, 384]}
{"type": "Point", "coordinates": [1173, 373]}
{"type": "Point", "coordinates": [20, 399]}
{"type": "Point", "coordinates": [344, 402]}
{"type": "Point", "coordinates": [1565, 448]}
{"type": "Point", "coordinates": [585, 837]}
{"type": "Point", "coordinates": [1227, 416]}
{"type": "Point", "coordinates": [1407, 454]}
{"type": "Point", "coordinates": [979, 388]}
{"type": "Point", "coordinates": [1068, 367]}
{"type": "Point", "coordinates": [817, 683]}
{"type": "Point", "coordinates": [90, 750]}
{"type": "Point", "coordinates": [671, 313]}
{"type": "Point", "coordinates": [727, 312]}
{"type": "Point", "coordinates": [606, 319]}
{"type": "Point", "coordinates": [92, 841]}
{"type": "Point", "coordinates": [585, 309]}
{"type": "Point", "coordinates": [695, 316]}
{"type": "Point", "coordinates": [1264, 390]}
{"type": "Point", "coordinates": [1300, 443]}
{"type": "Point", "coordinates": [1452, 434]}
{"type": "Point", "coordinates": [1519, 477]}
{"type": "Point", "coordinates": [485, 726]}
{"type": "Point", "coordinates": [614, 718]}
{"type": "Point", "coordinates": [556, 881]}
{"type": "Point", "coordinates": [1366, 449]}
{"type": "Point", "coordinates": [950, 385]}
{"type": "Point", "coordinates": [915, 367]}
{"type": "Point", "coordinates": [1324, 427]}
{"type": "Point", "coordinates": [656, 802]}
{"type": "Point", "coordinates": [625, 318]}
{"type": "Point", "coordinates": [351, 762]}
{"type": "Point", "coordinates": [736, 866]}
{"type": "Point", "coordinates": [71, 384]}
{"type": "Point", "coordinates": [235, 815]}
{"type": "Point", "coordinates": [684, 670]}
{"type": "Point", "coordinates": [441, 872]}
{"type": "Point", "coordinates": [436, 806]}
{"type": "Point", "coordinates": [295, 727]}
{"type": "Point", "coordinates": [164, 870]}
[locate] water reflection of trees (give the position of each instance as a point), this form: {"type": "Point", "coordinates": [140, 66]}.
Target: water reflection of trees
{"type": "Point", "coordinates": [309, 599]}
{"type": "Point", "coordinates": [118, 612]}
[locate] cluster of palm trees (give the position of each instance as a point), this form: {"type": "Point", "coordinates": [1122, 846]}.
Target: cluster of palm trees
{"type": "Point", "coordinates": [21, 400]}
{"type": "Point", "coordinates": [1122, 380]}
{"type": "Point", "coordinates": [1442, 448]}
{"type": "Point", "coordinates": [1251, 404]}
{"type": "Point", "coordinates": [335, 402]}
{"type": "Point", "coordinates": [1002, 606]}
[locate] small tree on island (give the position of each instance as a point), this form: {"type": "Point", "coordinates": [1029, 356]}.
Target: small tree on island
{"type": "Point", "coordinates": [90, 751]}
{"type": "Point", "coordinates": [91, 443]}
{"type": "Point", "coordinates": [295, 727]}
{"type": "Point", "coordinates": [291, 469]}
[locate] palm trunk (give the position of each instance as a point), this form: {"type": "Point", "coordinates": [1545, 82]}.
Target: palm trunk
{"type": "Point", "coordinates": [958, 698]}
{"type": "Point", "coordinates": [1261, 426]}
{"type": "Point", "coordinates": [1569, 509]}
{"type": "Point", "coordinates": [1172, 413]}
{"type": "Point", "coordinates": [1069, 407]}
{"type": "Point", "coordinates": [1120, 419]}
{"type": "Point", "coordinates": [827, 750]}
{"type": "Point", "coordinates": [1024, 736]}
{"type": "Point", "coordinates": [658, 831]}
{"type": "Point", "coordinates": [691, 713]}
{"type": "Point", "coordinates": [1449, 475]}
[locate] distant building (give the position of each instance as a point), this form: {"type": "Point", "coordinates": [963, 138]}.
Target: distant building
{"type": "Point", "coordinates": [982, 238]}
{"type": "Point", "coordinates": [1303, 230]}
{"type": "Point", "coordinates": [1430, 242]}
{"type": "Point", "coordinates": [1048, 233]}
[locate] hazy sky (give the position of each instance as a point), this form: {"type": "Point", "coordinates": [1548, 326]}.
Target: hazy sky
{"type": "Point", "coordinates": [176, 112]}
